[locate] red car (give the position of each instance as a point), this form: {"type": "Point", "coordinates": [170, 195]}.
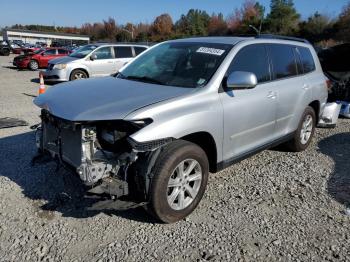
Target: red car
{"type": "Point", "coordinates": [39, 58]}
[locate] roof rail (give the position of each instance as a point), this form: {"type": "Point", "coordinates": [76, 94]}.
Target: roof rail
{"type": "Point", "coordinates": [270, 36]}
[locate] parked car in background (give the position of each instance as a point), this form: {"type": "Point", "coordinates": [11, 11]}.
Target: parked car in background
{"type": "Point", "coordinates": [152, 133]}
{"type": "Point", "coordinates": [5, 49]}
{"type": "Point", "coordinates": [16, 48]}
{"type": "Point", "coordinates": [92, 60]}
{"type": "Point", "coordinates": [39, 59]}
{"type": "Point", "coordinates": [28, 48]}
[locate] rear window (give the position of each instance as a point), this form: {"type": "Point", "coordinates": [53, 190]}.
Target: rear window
{"type": "Point", "coordinates": [253, 59]}
{"type": "Point", "coordinates": [139, 49]}
{"type": "Point", "coordinates": [123, 52]}
{"type": "Point", "coordinates": [307, 60]}
{"type": "Point", "coordinates": [283, 61]}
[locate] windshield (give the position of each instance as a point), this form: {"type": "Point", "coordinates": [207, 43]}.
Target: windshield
{"type": "Point", "coordinates": [183, 64]}
{"type": "Point", "coordinates": [39, 51]}
{"type": "Point", "coordinates": [83, 51]}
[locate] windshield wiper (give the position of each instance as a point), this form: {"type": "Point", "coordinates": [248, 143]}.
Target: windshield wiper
{"type": "Point", "coordinates": [143, 79]}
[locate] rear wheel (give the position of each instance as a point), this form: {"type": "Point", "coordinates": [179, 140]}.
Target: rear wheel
{"type": "Point", "coordinates": [78, 74]}
{"type": "Point", "coordinates": [33, 65]}
{"type": "Point", "coordinates": [306, 129]}
{"type": "Point", "coordinates": [179, 180]}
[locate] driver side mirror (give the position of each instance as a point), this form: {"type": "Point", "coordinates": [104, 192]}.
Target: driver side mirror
{"type": "Point", "coordinates": [42, 54]}
{"type": "Point", "coordinates": [93, 57]}
{"type": "Point", "coordinates": [241, 80]}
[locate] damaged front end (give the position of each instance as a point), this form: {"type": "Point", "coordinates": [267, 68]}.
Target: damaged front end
{"type": "Point", "coordinates": [100, 152]}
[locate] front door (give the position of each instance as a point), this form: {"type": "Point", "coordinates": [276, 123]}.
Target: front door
{"type": "Point", "coordinates": [103, 64]}
{"type": "Point", "coordinates": [249, 114]}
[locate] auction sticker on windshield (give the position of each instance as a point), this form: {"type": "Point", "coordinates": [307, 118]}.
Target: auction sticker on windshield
{"type": "Point", "coordinates": [210, 51]}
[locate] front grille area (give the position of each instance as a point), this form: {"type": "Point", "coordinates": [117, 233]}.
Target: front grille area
{"type": "Point", "coordinates": [62, 138]}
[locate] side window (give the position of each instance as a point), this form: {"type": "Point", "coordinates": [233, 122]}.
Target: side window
{"type": "Point", "coordinates": [306, 59]}
{"type": "Point", "coordinates": [104, 53]}
{"type": "Point", "coordinates": [139, 49]}
{"type": "Point", "coordinates": [123, 52]}
{"type": "Point", "coordinates": [283, 60]}
{"type": "Point", "coordinates": [62, 52]}
{"type": "Point", "coordinates": [252, 58]}
{"type": "Point", "coordinates": [50, 52]}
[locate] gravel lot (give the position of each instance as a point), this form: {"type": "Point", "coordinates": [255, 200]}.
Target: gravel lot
{"type": "Point", "coordinates": [275, 206]}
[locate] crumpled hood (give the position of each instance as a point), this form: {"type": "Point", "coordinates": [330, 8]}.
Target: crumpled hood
{"type": "Point", "coordinates": [63, 60]}
{"type": "Point", "coordinates": [104, 98]}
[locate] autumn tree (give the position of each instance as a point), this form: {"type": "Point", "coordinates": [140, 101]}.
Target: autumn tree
{"type": "Point", "coordinates": [217, 25]}
{"type": "Point", "coordinates": [250, 14]}
{"type": "Point", "coordinates": [283, 19]}
{"type": "Point", "coordinates": [162, 27]}
{"type": "Point", "coordinates": [109, 29]}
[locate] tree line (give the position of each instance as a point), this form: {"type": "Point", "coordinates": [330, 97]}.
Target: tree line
{"type": "Point", "coordinates": [249, 19]}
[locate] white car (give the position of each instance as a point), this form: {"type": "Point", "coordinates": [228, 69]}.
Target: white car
{"type": "Point", "coordinates": [93, 60]}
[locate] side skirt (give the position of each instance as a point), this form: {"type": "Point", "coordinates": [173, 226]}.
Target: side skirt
{"type": "Point", "coordinates": [226, 163]}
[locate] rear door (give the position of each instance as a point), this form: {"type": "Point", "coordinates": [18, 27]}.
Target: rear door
{"type": "Point", "coordinates": [62, 52]}
{"type": "Point", "coordinates": [249, 114]}
{"type": "Point", "coordinates": [290, 86]}
{"type": "Point", "coordinates": [103, 65]}
{"type": "Point", "coordinates": [46, 56]}
{"type": "Point", "coordinates": [123, 55]}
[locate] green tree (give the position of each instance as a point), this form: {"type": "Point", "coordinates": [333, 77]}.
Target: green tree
{"type": "Point", "coordinates": [318, 27]}
{"type": "Point", "coordinates": [194, 23]}
{"type": "Point", "coordinates": [283, 19]}
{"type": "Point", "coordinates": [342, 26]}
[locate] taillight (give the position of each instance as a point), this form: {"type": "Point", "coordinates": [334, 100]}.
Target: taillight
{"type": "Point", "coordinates": [328, 84]}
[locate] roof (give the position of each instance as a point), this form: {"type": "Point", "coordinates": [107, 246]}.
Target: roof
{"type": "Point", "coordinates": [215, 39]}
{"type": "Point", "coordinates": [234, 40]}
{"type": "Point", "coordinates": [44, 32]}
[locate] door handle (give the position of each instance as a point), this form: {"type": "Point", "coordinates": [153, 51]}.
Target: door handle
{"type": "Point", "coordinates": [271, 95]}
{"type": "Point", "coordinates": [110, 62]}
{"type": "Point", "coordinates": [306, 87]}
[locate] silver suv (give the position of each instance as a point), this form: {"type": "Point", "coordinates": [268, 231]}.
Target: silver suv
{"type": "Point", "coordinates": [91, 61]}
{"type": "Point", "coordinates": [152, 133]}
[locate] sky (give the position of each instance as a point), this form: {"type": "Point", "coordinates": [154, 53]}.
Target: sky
{"type": "Point", "coordinates": [77, 12]}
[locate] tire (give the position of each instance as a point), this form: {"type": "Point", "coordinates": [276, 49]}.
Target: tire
{"type": "Point", "coordinates": [78, 74]}
{"type": "Point", "coordinates": [33, 65]}
{"type": "Point", "coordinates": [166, 166]}
{"type": "Point", "coordinates": [303, 137]}
{"type": "Point", "coordinates": [5, 52]}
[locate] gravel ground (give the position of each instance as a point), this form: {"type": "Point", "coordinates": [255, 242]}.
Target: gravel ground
{"type": "Point", "coordinates": [275, 206]}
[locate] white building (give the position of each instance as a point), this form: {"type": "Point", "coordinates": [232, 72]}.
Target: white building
{"type": "Point", "coordinates": [31, 37]}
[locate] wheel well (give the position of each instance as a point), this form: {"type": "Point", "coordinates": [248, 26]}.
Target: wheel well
{"type": "Point", "coordinates": [316, 106]}
{"type": "Point", "coordinates": [207, 143]}
{"type": "Point", "coordinates": [81, 69]}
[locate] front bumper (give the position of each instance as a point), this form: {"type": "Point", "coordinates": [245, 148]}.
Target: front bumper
{"type": "Point", "coordinates": [56, 74]}
{"type": "Point", "coordinates": [21, 64]}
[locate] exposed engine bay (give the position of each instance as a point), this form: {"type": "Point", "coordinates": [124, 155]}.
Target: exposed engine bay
{"type": "Point", "coordinates": [335, 63]}
{"type": "Point", "coordinates": [100, 152]}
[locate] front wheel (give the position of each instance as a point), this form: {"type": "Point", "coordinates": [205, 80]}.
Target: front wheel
{"type": "Point", "coordinates": [33, 65]}
{"type": "Point", "coordinates": [78, 74]}
{"type": "Point", "coordinates": [179, 180]}
{"type": "Point", "coordinates": [306, 129]}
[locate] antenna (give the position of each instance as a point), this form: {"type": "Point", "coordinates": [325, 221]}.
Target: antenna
{"type": "Point", "coordinates": [255, 29]}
